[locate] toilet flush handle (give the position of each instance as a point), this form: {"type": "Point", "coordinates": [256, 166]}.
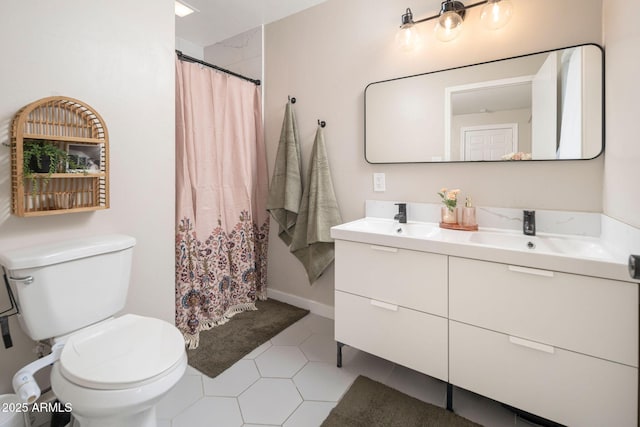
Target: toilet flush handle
{"type": "Point", "coordinates": [24, 280]}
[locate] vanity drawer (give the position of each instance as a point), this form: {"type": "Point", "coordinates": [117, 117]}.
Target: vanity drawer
{"type": "Point", "coordinates": [412, 279]}
{"type": "Point", "coordinates": [560, 385]}
{"type": "Point", "coordinates": [407, 337]}
{"type": "Point", "coordinates": [589, 315]}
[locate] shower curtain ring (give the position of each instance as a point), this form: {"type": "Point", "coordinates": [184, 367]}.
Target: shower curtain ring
{"type": "Point", "coordinates": [322, 123]}
{"type": "Point", "coordinates": [293, 100]}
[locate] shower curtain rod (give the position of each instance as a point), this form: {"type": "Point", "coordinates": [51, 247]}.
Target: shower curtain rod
{"type": "Point", "coordinates": [188, 58]}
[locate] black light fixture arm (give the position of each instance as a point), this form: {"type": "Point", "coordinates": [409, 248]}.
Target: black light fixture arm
{"type": "Point", "coordinates": [448, 5]}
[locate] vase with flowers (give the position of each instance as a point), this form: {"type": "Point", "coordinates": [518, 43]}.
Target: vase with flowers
{"type": "Point", "coordinates": [449, 212]}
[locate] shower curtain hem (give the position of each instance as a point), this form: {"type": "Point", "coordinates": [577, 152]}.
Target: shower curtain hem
{"type": "Point", "coordinates": [193, 340]}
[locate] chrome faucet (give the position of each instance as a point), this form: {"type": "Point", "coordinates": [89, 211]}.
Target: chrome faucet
{"type": "Point", "coordinates": [529, 223]}
{"type": "Point", "coordinates": [401, 216]}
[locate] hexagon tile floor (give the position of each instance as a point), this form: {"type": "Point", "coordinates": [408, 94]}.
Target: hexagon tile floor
{"type": "Point", "coordinates": [292, 381]}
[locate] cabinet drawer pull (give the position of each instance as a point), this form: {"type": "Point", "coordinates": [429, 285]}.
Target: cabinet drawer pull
{"type": "Point", "coordinates": [532, 345]}
{"type": "Point", "coordinates": [533, 271]}
{"type": "Point", "coordinates": [384, 249]}
{"type": "Point", "coordinates": [385, 305]}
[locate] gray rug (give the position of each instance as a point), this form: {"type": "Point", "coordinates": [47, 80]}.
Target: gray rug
{"type": "Point", "coordinates": [224, 345]}
{"type": "Point", "coordinates": [369, 403]}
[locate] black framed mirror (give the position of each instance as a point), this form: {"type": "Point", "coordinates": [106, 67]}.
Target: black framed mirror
{"type": "Point", "coordinates": [541, 106]}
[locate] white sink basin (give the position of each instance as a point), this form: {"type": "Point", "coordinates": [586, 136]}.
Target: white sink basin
{"type": "Point", "coordinates": [519, 242]}
{"type": "Point", "coordinates": [393, 228]}
{"type": "Point", "coordinates": [574, 246]}
{"type": "Point", "coordinates": [507, 240]}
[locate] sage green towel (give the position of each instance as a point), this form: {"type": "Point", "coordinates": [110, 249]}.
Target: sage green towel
{"type": "Point", "coordinates": [286, 183]}
{"type": "Point", "coordinates": [312, 243]}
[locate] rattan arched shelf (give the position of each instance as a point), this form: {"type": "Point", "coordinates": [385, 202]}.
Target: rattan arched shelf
{"type": "Point", "coordinates": [79, 184]}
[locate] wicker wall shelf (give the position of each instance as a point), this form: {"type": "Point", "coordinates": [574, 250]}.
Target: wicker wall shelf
{"type": "Point", "coordinates": [78, 185]}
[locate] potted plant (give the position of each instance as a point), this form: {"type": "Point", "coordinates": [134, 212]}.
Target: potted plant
{"type": "Point", "coordinates": [42, 157]}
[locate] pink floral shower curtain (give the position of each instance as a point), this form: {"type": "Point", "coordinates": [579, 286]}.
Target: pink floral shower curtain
{"type": "Point", "coordinates": [221, 191]}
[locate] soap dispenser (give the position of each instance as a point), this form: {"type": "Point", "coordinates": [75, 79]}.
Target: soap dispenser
{"type": "Point", "coordinates": [468, 214]}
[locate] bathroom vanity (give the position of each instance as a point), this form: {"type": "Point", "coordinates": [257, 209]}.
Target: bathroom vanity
{"type": "Point", "coordinates": [551, 330]}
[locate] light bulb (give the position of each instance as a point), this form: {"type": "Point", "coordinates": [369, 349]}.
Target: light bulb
{"type": "Point", "coordinates": [408, 38]}
{"type": "Point", "coordinates": [496, 13]}
{"type": "Point", "coordinates": [449, 26]}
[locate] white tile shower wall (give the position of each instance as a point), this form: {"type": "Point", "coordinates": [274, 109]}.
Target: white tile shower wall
{"type": "Point", "coordinates": [189, 48]}
{"type": "Point", "coordinates": [547, 221]}
{"type": "Point", "coordinates": [241, 54]}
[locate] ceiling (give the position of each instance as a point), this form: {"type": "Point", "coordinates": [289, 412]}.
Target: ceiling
{"type": "Point", "coordinates": [492, 99]}
{"type": "Point", "coordinates": [218, 20]}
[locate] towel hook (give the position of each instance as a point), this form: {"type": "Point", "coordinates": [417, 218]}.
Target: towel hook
{"type": "Point", "coordinates": [293, 100]}
{"type": "Point", "coordinates": [322, 123]}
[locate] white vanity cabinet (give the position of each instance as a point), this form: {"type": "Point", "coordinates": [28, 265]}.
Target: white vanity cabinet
{"type": "Point", "coordinates": [392, 302]}
{"type": "Point", "coordinates": [562, 346]}
{"type": "Point", "coordinates": [559, 345]}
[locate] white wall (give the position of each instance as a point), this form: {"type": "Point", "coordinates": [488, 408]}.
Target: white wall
{"type": "Point", "coordinates": [622, 159]}
{"type": "Point", "coordinates": [118, 57]}
{"type": "Point", "coordinates": [326, 55]}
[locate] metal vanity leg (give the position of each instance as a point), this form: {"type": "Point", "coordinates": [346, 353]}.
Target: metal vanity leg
{"type": "Point", "coordinates": [450, 397]}
{"type": "Point", "coordinates": [340, 345]}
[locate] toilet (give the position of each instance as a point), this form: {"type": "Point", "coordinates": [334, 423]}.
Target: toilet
{"type": "Point", "coordinates": [109, 370]}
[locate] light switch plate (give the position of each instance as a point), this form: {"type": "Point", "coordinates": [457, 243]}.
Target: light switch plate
{"type": "Point", "coordinates": [379, 182]}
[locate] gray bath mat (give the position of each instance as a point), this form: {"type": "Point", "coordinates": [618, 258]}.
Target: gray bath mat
{"type": "Point", "coordinates": [224, 345]}
{"type": "Point", "coordinates": [369, 403]}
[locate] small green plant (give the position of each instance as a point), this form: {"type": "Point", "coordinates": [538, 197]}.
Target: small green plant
{"type": "Point", "coordinates": [43, 157]}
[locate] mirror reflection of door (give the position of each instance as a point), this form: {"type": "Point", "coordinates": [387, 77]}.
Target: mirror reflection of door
{"type": "Point", "coordinates": [489, 142]}
{"type": "Point", "coordinates": [483, 105]}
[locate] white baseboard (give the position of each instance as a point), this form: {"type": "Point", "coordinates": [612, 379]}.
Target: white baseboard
{"type": "Point", "coordinates": [315, 307]}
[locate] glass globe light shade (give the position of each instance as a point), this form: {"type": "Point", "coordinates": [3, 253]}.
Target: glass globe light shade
{"type": "Point", "coordinates": [408, 38]}
{"type": "Point", "coordinates": [496, 14]}
{"type": "Point", "coordinates": [449, 26]}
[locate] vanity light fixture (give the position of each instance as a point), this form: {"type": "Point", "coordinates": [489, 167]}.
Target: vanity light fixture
{"type": "Point", "coordinates": [495, 14]}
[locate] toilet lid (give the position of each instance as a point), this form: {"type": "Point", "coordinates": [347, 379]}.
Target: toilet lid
{"type": "Point", "coordinates": [121, 353]}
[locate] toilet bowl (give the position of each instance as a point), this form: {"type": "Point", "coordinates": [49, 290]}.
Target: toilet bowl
{"type": "Point", "coordinates": [108, 371]}
{"type": "Point", "coordinates": [113, 373]}
{"type": "Point", "coordinates": [11, 411]}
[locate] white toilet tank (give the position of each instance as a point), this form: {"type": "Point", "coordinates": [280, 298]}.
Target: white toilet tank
{"type": "Point", "coordinates": [65, 286]}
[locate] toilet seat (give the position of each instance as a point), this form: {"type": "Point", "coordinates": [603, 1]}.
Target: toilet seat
{"type": "Point", "coordinates": [123, 352]}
